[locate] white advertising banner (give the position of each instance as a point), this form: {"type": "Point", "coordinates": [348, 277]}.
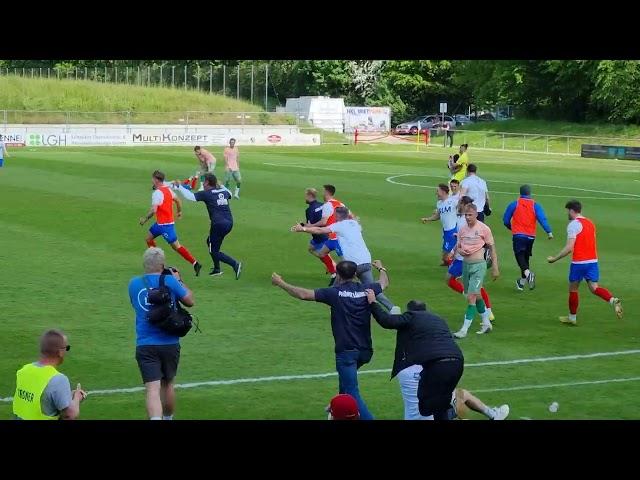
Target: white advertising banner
{"type": "Point", "coordinates": [155, 135]}
{"type": "Point", "coordinates": [367, 119]}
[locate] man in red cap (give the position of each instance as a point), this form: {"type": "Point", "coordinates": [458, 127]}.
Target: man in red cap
{"type": "Point", "coordinates": [343, 407]}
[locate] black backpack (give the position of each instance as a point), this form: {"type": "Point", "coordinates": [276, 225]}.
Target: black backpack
{"type": "Point", "coordinates": [166, 314]}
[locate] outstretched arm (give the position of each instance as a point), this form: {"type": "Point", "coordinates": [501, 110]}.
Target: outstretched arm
{"type": "Point", "coordinates": [187, 194]}
{"type": "Point", "coordinates": [296, 292]}
{"type": "Point", "coordinates": [312, 230]}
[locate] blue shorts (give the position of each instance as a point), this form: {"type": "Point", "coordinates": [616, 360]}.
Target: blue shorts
{"type": "Point", "coordinates": [584, 271]}
{"type": "Point", "coordinates": [1, 162]}
{"type": "Point", "coordinates": [449, 239]}
{"type": "Point", "coordinates": [166, 231]}
{"type": "Point", "coordinates": [316, 244]}
{"type": "Point", "coordinates": [455, 269]}
{"type": "Point", "coordinates": [334, 246]}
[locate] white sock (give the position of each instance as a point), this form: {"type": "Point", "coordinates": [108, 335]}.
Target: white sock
{"type": "Point", "coordinates": [237, 191]}
{"type": "Point", "coordinates": [466, 324]}
{"type": "Point", "coordinates": [167, 417]}
{"type": "Point", "coordinates": [527, 272]}
{"type": "Point", "coordinates": [572, 317]}
{"type": "Point", "coordinates": [485, 318]}
{"type": "Point", "coordinates": [489, 412]}
{"type": "Point", "coordinates": [612, 300]}
{"type": "Point", "coordinates": [155, 418]}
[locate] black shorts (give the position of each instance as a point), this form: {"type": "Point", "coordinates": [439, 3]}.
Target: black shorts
{"type": "Point", "coordinates": [158, 362]}
{"type": "Point", "coordinates": [523, 244]}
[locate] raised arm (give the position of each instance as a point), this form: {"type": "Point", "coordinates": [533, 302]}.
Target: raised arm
{"type": "Point", "coordinates": [295, 292]}
{"type": "Point", "coordinates": [384, 277]}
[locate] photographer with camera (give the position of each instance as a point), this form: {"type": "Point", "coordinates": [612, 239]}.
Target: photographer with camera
{"type": "Point", "coordinates": [160, 322]}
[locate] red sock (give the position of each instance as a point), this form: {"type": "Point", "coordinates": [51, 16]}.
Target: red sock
{"type": "Point", "coordinates": [573, 303]}
{"type": "Point", "coordinates": [194, 182]}
{"type": "Point", "coordinates": [184, 253]}
{"type": "Point", "coordinates": [455, 285]}
{"type": "Point", "coordinates": [603, 293]}
{"type": "Point", "coordinates": [329, 263]}
{"type": "Point", "coordinates": [151, 243]}
{"type": "Point", "coordinates": [448, 261]}
{"type": "Point", "coordinates": [485, 297]}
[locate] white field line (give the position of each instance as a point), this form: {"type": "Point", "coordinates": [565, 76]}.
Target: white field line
{"type": "Point", "coordinates": [333, 169]}
{"type": "Point", "coordinates": [391, 180]}
{"type": "Point", "coordinates": [281, 378]}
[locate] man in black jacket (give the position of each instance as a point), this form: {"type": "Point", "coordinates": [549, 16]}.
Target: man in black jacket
{"type": "Point", "coordinates": [424, 339]}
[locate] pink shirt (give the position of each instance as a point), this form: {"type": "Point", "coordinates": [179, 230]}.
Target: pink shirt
{"type": "Point", "coordinates": [231, 158]}
{"type": "Point", "coordinates": [206, 158]}
{"type": "Point", "coordinates": [472, 239]}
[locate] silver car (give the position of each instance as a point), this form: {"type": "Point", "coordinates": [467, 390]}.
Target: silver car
{"type": "Point", "coordinates": [426, 122]}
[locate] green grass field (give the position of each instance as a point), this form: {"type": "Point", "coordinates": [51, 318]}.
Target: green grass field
{"type": "Point", "coordinates": [71, 241]}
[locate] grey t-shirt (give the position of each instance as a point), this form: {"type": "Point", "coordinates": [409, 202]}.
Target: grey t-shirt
{"type": "Point", "coordinates": [57, 394]}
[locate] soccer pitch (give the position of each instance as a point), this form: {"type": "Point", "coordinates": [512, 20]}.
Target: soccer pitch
{"type": "Point", "coordinates": [71, 242]}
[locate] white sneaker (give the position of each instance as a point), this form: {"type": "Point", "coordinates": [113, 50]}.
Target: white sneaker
{"type": "Point", "coordinates": [486, 328]}
{"type": "Point", "coordinates": [502, 412]}
{"type": "Point", "coordinates": [460, 333]}
{"type": "Point", "coordinates": [236, 196]}
{"type": "Point", "coordinates": [617, 307]}
{"type": "Point", "coordinates": [395, 310]}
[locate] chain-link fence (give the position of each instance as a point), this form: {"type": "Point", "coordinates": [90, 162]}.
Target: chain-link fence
{"type": "Point", "coordinates": [249, 83]}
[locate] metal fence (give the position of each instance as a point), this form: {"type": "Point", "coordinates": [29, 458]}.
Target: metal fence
{"type": "Point", "coordinates": [535, 143]}
{"type": "Point", "coordinates": [186, 118]}
{"type": "Point", "coordinates": [249, 83]}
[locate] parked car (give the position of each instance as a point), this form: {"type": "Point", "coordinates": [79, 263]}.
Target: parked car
{"type": "Point", "coordinates": [426, 122]}
{"type": "Point", "coordinates": [486, 117]}
{"type": "Point", "coordinates": [462, 120]}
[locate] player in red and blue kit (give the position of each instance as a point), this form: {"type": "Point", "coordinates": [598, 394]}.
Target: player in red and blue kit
{"type": "Point", "coordinates": [162, 201]}
{"type": "Point", "coordinates": [581, 243]}
{"type": "Point", "coordinates": [313, 215]}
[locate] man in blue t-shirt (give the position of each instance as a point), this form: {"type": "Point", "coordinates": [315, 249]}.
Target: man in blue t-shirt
{"type": "Point", "coordinates": [350, 322]}
{"type": "Point", "coordinates": [216, 198]}
{"type": "Point", "coordinates": [157, 352]}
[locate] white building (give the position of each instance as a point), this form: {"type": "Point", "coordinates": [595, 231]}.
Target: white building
{"type": "Point", "coordinates": [322, 112]}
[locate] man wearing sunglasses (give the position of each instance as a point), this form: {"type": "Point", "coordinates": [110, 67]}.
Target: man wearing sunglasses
{"type": "Point", "coordinates": [42, 392]}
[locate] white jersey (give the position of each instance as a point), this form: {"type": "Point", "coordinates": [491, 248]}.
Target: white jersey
{"type": "Point", "coordinates": [448, 210]}
{"type": "Point", "coordinates": [455, 197]}
{"type": "Point", "coordinates": [351, 242]}
{"type": "Point", "coordinates": [461, 221]}
{"type": "Point", "coordinates": [476, 188]}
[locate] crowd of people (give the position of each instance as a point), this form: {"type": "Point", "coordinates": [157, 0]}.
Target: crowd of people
{"type": "Point", "coordinates": [428, 361]}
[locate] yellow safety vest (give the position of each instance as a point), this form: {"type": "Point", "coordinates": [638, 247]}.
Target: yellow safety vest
{"type": "Point", "coordinates": [31, 381]}
{"type": "Point", "coordinates": [464, 161]}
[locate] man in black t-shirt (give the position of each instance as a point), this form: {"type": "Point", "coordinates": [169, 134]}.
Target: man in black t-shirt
{"type": "Point", "coordinates": [216, 198]}
{"type": "Point", "coordinates": [350, 322]}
